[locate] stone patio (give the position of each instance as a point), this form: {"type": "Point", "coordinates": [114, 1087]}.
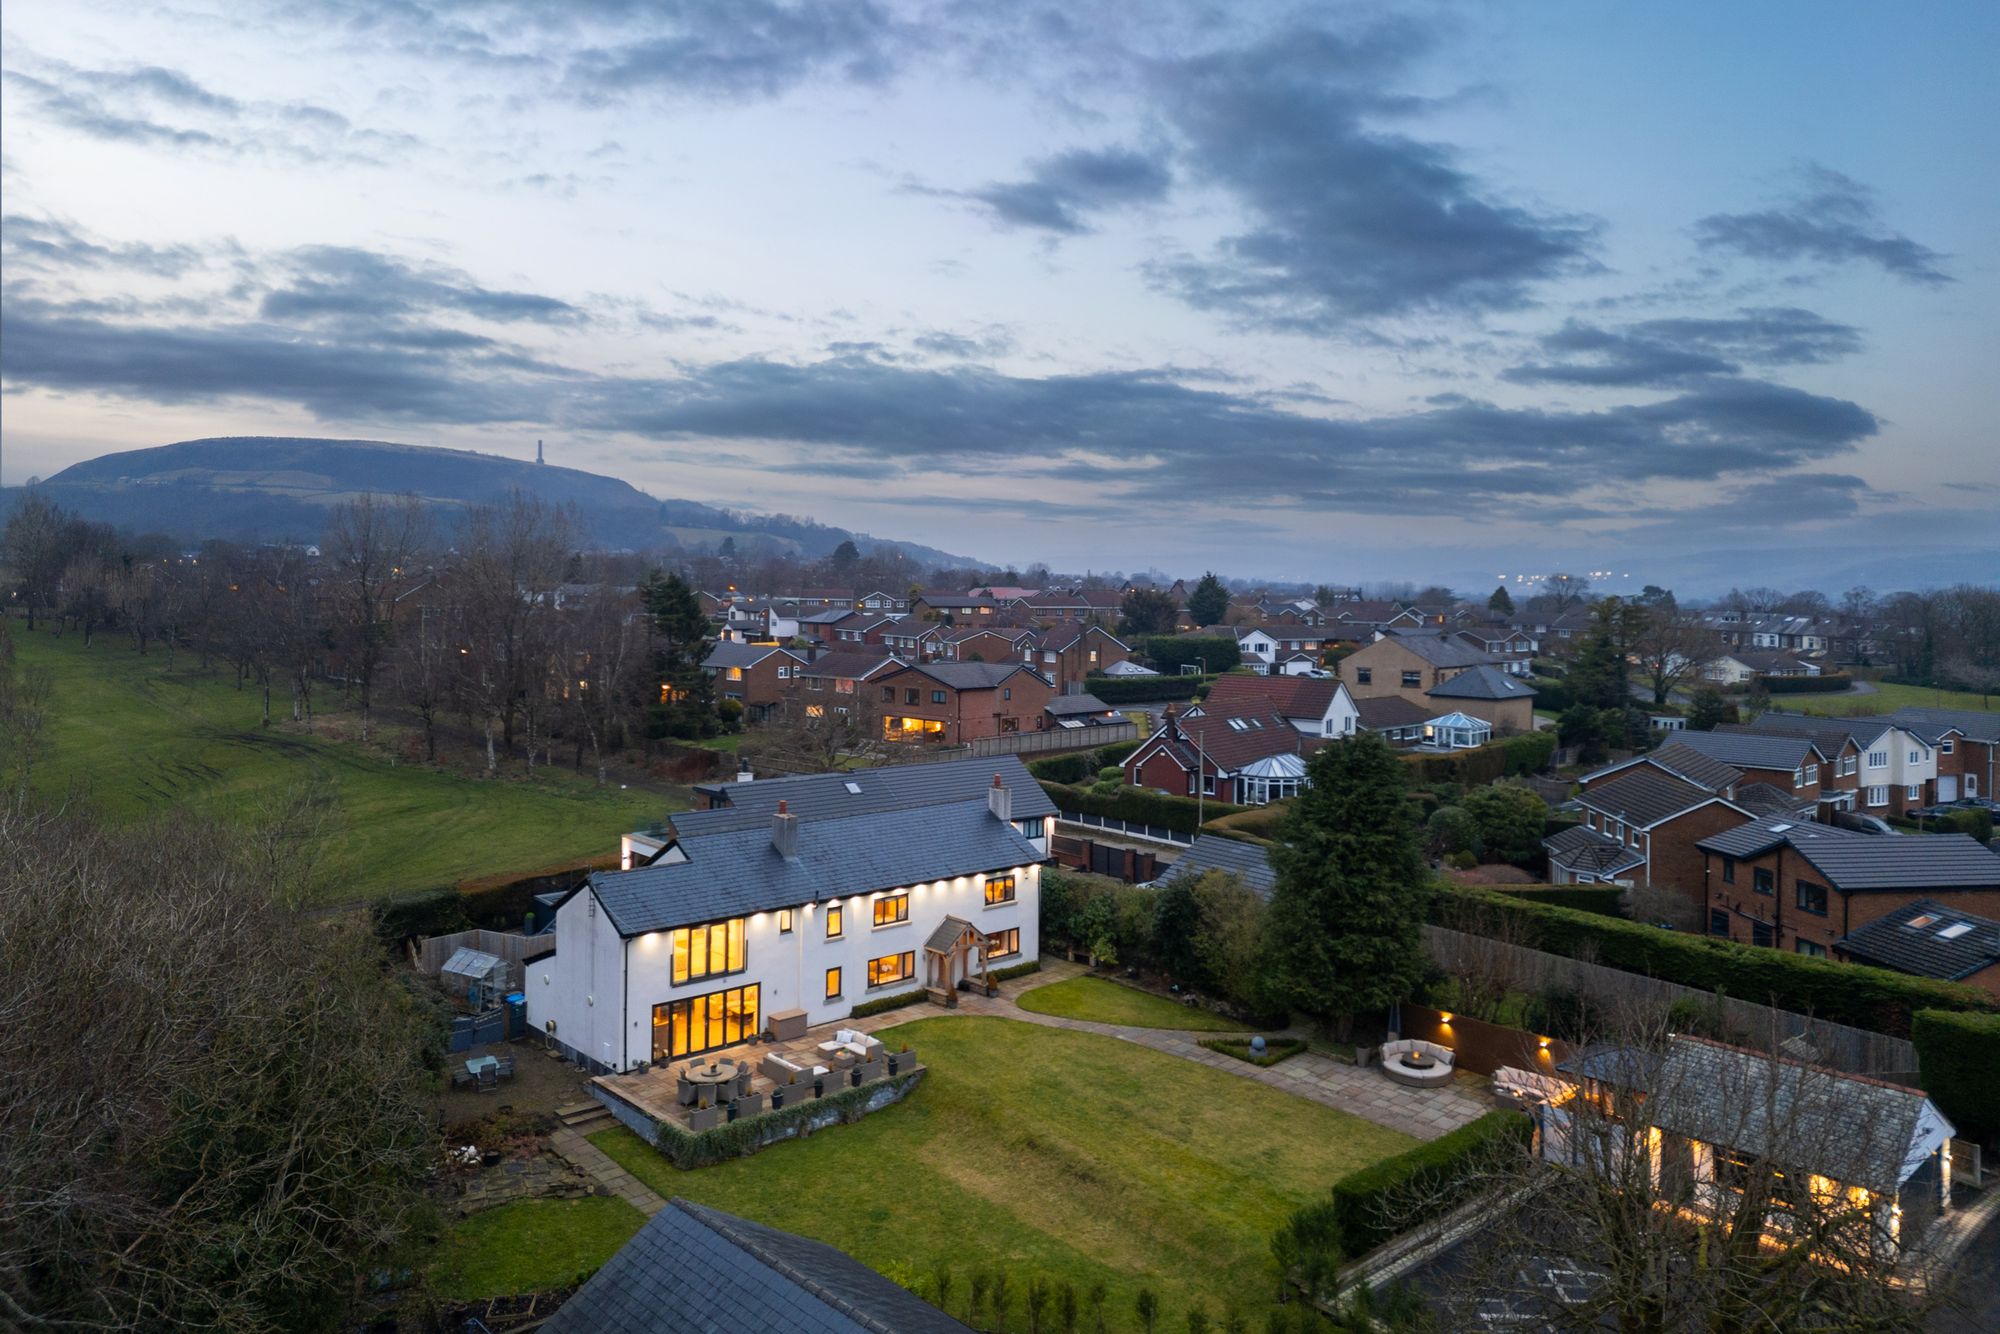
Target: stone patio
{"type": "Point", "coordinates": [656, 1091]}
{"type": "Point", "coordinates": [545, 1176]}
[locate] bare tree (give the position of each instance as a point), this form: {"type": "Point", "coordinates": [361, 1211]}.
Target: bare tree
{"type": "Point", "coordinates": [608, 653]}
{"type": "Point", "coordinates": [221, 1136]}
{"type": "Point", "coordinates": [1669, 650]}
{"type": "Point", "coordinates": [808, 735]}
{"type": "Point", "coordinates": [372, 547]}
{"type": "Point", "coordinates": [1564, 591]}
{"type": "Point", "coordinates": [512, 566]}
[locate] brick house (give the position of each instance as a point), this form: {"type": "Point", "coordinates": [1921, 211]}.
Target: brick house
{"type": "Point", "coordinates": [958, 608]}
{"type": "Point", "coordinates": [1891, 768]}
{"type": "Point", "coordinates": [1066, 654]}
{"type": "Point", "coordinates": [983, 643]}
{"type": "Point", "coordinates": [756, 675]}
{"type": "Point", "coordinates": [1248, 757]}
{"type": "Point", "coordinates": [836, 680]}
{"type": "Point", "coordinates": [1081, 604]}
{"type": "Point", "coordinates": [1967, 746]}
{"type": "Point", "coordinates": [1803, 887]}
{"type": "Point", "coordinates": [1790, 762]}
{"type": "Point", "coordinates": [1314, 706]}
{"type": "Point", "coordinates": [1409, 665]}
{"type": "Point", "coordinates": [1643, 824]}
{"type": "Point", "coordinates": [1926, 938]}
{"type": "Point", "coordinates": [951, 703]}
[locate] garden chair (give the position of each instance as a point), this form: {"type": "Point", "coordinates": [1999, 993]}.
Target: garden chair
{"type": "Point", "coordinates": [506, 1069]}
{"type": "Point", "coordinates": [489, 1080]}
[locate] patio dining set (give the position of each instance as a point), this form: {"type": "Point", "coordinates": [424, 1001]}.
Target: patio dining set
{"type": "Point", "coordinates": [483, 1073]}
{"type": "Point", "coordinates": [713, 1089]}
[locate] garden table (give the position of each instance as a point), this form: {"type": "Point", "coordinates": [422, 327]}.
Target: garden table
{"type": "Point", "coordinates": [477, 1064]}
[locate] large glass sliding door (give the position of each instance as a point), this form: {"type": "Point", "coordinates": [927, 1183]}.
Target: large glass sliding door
{"type": "Point", "coordinates": [703, 1023]}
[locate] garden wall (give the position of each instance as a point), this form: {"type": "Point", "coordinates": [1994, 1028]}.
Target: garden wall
{"type": "Point", "coordinates": [1482, 1047]}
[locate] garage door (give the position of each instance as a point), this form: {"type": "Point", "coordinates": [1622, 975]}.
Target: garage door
{"type": "Point", "coordinates": [1947, 788]}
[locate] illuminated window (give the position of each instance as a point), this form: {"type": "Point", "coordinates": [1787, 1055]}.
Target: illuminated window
{"type": "Point", "coordinates": [999, 889]}
{"type": "Point", "coordinates": [833, 929]}
{"type": "Point", "coordinates": [736, 673]}
{"type": "Point", "coordinates": [833, 984]}
{"type": "Point", "coordinates": [891, 909]}
{"type": "Point", "coordinates": [784, 920]}
{"type": "Point", "coordinates": [708, 951]}
{"type": "Point", "coordinates": [703, 1023]}
{"type": "Point", "coordinates": [892, 968]}
{"type": "Point", "coordinates": [1000, 944]}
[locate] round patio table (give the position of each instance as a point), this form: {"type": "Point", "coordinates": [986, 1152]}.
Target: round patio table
{"type": "Point", "coordinates": [712, 1075]}
{"type": "Point", "coordinates": [1417, 1060]}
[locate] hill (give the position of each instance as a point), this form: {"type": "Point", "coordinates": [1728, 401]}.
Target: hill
{"type": "Point", "coordinates": [275, 488]}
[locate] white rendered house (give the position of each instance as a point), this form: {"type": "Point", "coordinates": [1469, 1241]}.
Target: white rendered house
{"type": "Point", "coordinates": [794, 899]}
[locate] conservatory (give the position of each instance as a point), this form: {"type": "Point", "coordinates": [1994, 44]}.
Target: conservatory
{"type": "Point", "coordinates": [1273, 778]}
{"type": "Point", "coordinates": [1457, 731]}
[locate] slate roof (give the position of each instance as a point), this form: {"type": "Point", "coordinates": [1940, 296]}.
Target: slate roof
{"type": "Point", "coordinates": [1768, 660]}
{"type": "Point", "coordinates": [1763, 799]}
{"type": "Point", "coordinates": [1291, 696]}
{"type": "Point", "coordinates": [1440, 650]}
{"type": "Point", "coordinates": [736, 872]}
{"type": "Point", "coordinates": [1747, 750]}
{"type": "Point", "coordinates": [854, 664]}
{"type": "Point", "coordinates": [1914, 939]}
{"type": "Point", "coordinates": [1069, 706]}
{"type": "Point", "coordinates": [1933, 723]}
{"type": "Point", "coordinates": [946, 934]}
{"type": "Point", "coordinates": [831, 616]}
{"type": "Point", "coordinates": [1387, 711]}
{"type": "Point", "coordinates": [696, 1268]}
{"type": "Point", "coordinates": [728, 653]}
{"type": "Point", "coordinates": [1831, 735]}
{"type": "Point", "coordinates": [1482, 683]}
{"type": "Point", "coordinates": [1683, 762]}
{"type": "Point", "coordinates": [970, 675]}
{"type": "Point", "coordinates": [1643, 797]}
{"type": "Point", "coordinates": [1251, 862]}
{"type": "Point", "coordinates": [890, 788]}
{"type": "Point", "coordinates": [1811, 1119]}
{"type": "Point", "coordinates": [1584, 849]}
{"type": "Point", "coordinates": [1852, 861]}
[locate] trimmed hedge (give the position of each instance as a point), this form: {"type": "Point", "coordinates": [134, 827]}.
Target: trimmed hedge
{"type": "Point", "coordinates": [1212, 653]}
{"type": "Point", "coordinates": [687, 1149]}
{"type": "Point", "coordinates": [1845, 993]}
{"type": "Point", "coordinates": [1958, 1056]}
{"type": "Point", "coordinates": [1146, 689]}
{"type": "Point", "coordinates": [1137, 805]}
{"type": "Point", "coordinates": [1275, 1049]}
{"type": "Point", "coordinates": [1078, 766]}
{"type": "Point", "coordinates": [1018, 970]}
{"type": "Point", "coordinates": [1604, 900]}
{"type": "Point", "coordinates": [434, 912]}
{"type": "Point", "coordinates": [1528, 753]}
{"type": "Point", "coordinates": [883, 1004]}
{"type": "Point", "coordinates": [1369, 1207]}
{"type": "Point", "coordinates": [1826, 683]}
{"type": "Point", "coordinates": [1553, 696]}
{"type": "Point", "coordinates": [1259, 824]}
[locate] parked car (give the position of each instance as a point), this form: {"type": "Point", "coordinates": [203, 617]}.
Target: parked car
{"type": "Point", "coordinates": [1865, 824]}
{"type": "Point", "coordinates": [1939, 811]}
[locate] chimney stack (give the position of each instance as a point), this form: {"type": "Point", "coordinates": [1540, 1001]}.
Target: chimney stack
{"type": "Point", "coordinates": [1000, 801]}
{"type": "Point", "coordinates": [785, 833]}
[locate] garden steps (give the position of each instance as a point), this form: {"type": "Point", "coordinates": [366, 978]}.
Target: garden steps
{"type": "Point", "coordinates": [583, 1117]}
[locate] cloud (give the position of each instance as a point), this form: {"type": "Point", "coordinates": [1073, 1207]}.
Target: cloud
{"type": "Point", "coordinates": [152, 106]}
{"type": "Point", "coordinates": [1350, 221]}
{"type": "Point", "coordinates": [48, 245]}
{"type": "Point", "coordinates": [1667, 352]}
{"type": "Point", "coordinates": [1060, 191]}
{"type": "Point", "coordinates": [1830, 219]}
{"type": "Point", "coordinates": [347, 283]}
{"type": "Point", "coordinates": [992, 341]}
{"type": "Point", "coordinates": [735, 49]}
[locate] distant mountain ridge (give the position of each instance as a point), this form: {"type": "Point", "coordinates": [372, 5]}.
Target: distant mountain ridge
{"type": "Point", "coordinates": [279, 488]}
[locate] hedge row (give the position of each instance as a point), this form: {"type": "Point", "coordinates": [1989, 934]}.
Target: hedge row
{"type": "Point", "coordinates": [1259, 824]}
{"type": "Point", "coordinates": [1604, 900]}
{"type": "Point", "coordinates": [1958, 1056]}
{"type": "Point", "coordinates": [1845, 993]}
{"type": "Point", "coordinates": [1528, 753]}
{"type": "Point", "coordinates": [1553, 696]}
{"type": "Point", "coordinates": [1369, 1207]}
{"type": "Point", "coordinates": [1018, 970]}
{"type": "Point", "coordinates": [1211, 653]}
{"type": "Point", "coordinates": [883, 1004]}
{"type": "Point", "coordinates": [1826, 683]}
{"type": "Point", "coordinates": [688, 1149]}
{"type": "Point", "coordinates": [1146, 689]}
{"type": "Point", "coordinates": [1082, 765]}
{"type": "Point", "coordinates": [1138, 805]}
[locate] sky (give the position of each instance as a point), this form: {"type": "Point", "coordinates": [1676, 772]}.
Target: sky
{"type": "Point", "coordinates": [1339, 292]}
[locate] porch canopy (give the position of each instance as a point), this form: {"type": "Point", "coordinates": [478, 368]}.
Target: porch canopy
{"type": "Point", "coordinates": [954, 939]}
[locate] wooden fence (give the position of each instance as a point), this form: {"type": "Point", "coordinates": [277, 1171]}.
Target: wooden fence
{"type": "Point", "coordinates": [517, 950]}
{"type": "Point", "coordinates": [1062, 738]}
{"type": "Point", "coordinates": [1615, 991]}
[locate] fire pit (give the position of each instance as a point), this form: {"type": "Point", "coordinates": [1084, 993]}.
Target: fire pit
{"type": "Point", "coordinates": [1417, 1063]}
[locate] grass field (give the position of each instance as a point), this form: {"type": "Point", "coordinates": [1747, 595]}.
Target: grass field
{"type": "Point", "coordinates": [1110, 1003]}
{"type": "Point", "coordinates": [1887, 699]}
{"type": "Point", "coordinates": [530, 1246]}
{"type": "Point", "coordinates": [143, 740]}
{"type": "Point", "coordinates": [1056, 1155]}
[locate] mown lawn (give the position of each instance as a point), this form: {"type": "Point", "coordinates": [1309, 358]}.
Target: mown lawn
{"type": "Point", "coordinates": [1887, 699]}
{"type": "Point", "coordinates": [531, 1246]}
{"type": "Point", "coordinates": [1056, 1155]}
{"type": "Point", "coordinates": [1109, 1003]}
{"type": "Point", "coordinates": [143, 740]}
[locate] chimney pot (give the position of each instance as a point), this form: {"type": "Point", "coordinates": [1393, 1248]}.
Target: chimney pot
{"type": "Point", "coordinates": [1000, 801]}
